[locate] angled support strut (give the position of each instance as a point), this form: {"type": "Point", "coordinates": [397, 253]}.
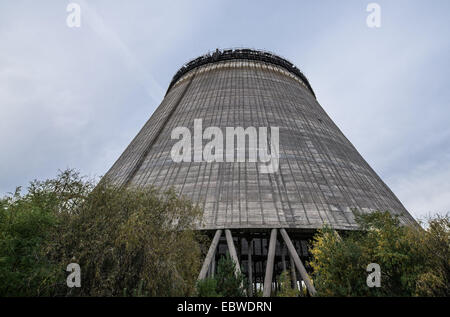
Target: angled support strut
{"type": "Point", "coordinates": [298, 262]}
{"type": "Point", "coordinates": [210, 254]}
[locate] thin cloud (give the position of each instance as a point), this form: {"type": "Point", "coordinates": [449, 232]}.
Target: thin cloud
{"type": "Point", "coordinates": [98, 25]}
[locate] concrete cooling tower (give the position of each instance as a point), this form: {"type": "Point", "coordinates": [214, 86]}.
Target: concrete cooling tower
{"type": "Point", "coordinates": [241, 134]}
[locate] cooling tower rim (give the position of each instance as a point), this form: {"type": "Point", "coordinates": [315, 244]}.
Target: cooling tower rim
{"type": "Point", "coordinates": [241, 53]}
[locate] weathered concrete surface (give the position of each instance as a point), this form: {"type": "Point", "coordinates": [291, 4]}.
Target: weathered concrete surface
{"type": "Point", "coordinates": [321, 177]}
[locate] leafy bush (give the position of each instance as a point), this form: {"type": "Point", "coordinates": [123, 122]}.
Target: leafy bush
{"type": "Point", "coordinates": [128, 242]}
{"type": "Point", "coordinates": [285, 286]}
{"type": "Point", "coordinates": [226, 282]}
{"type": "Point", "coordinates": [435, 245]}
{"type": "Point", "coordinates": [27, 224]}
{"type": "Point", "coordinates": [413, 261]}
{"type": "Point", "coordinates": [207, 288]}
{"type": "Point", "coordinates": [229, 283]}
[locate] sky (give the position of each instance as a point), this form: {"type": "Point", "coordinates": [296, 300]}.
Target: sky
{"type": "Point", "coordinates": [76, 97]}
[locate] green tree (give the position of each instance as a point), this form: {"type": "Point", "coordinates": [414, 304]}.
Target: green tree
{"type": "Point", "coordinates": [403, 253]}
{"type": "Point", "coordinates": [434, 243]}
{"type": "Point", "coordinates": [207, 288]}
{"type": "Point", "coordinates": [128, 239]}
{"type": "Point", "coordinates": [225, 283]}
{"type": "Point", "coordinates": [128, 242]}
{"type": "Point", "coordinates": [229, 282]}
{"type": "Point", "coordinates": [286, 289]}
{"type": "Point", "coordinates": [27, 223]}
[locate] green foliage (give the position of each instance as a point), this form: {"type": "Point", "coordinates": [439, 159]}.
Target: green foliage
{"type": "Point", "coordinates": [27, 223]}
{"type": "Point", "coordinates": [435, 245]}
{"type": "Point", "coordinates": [207, 288]}
{"type": "Point", "coordinates": [229, 283]}
{"type": "Point", "coordinates": [413, 261]}
{"type": "Point", "coordinates": [128, 242]}
{"type": "Point", "coordinates": [226, 282]}
{"type": "Point", "coordinates": [143, 237]}
{"type": "Point", "coordinates": [285, 286]}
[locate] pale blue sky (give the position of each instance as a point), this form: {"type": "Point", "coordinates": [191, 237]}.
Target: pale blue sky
{"type": "Point", "coordinates": [75, 97]}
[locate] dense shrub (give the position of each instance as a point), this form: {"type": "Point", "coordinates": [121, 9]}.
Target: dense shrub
{"type": "Point", "coordinates": [128, 242]}
{"type": "Point", "coordinates": [226, 282]}
{"type": "Point", "coordinates": [207, 288]}
{"type": "Point", "coordinates": [413, 261]}
{"type": "Point", "coordinates": [286, 289]}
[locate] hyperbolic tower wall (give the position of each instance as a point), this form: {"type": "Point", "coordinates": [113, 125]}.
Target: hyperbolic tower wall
{"type": "Point", "coordinates": [321, 176]}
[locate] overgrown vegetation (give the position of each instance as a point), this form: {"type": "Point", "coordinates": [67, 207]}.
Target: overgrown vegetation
{"type": "Point", "coordinates": [142, 242]}
{"type": "Point", "coordinates": [413, 261]}
{"type": "Point", "coordinates": [128, 242]}
{"type": "Point", "coordinates": [286, 289]}
{"type": "Point", "coordinates": [226, 282]}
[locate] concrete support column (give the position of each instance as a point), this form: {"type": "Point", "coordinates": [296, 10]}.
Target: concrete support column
{"type": "Point", "coordinates": [232, 250]}
{"type": "Point", "coordinates": [213, 265]}
{"type": "Point", "coordinates": [210, 254]}
{"type": "Point", "coordinates": [293, 274]}
{"type": "Point", "coordinates": [250, 268]}
{"type": "Point", "coordinates": [283, 260]}
{"type": "Point", "coordinates": [269, 264]}
{"type": "Point", "coordinates": [298, 262]}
